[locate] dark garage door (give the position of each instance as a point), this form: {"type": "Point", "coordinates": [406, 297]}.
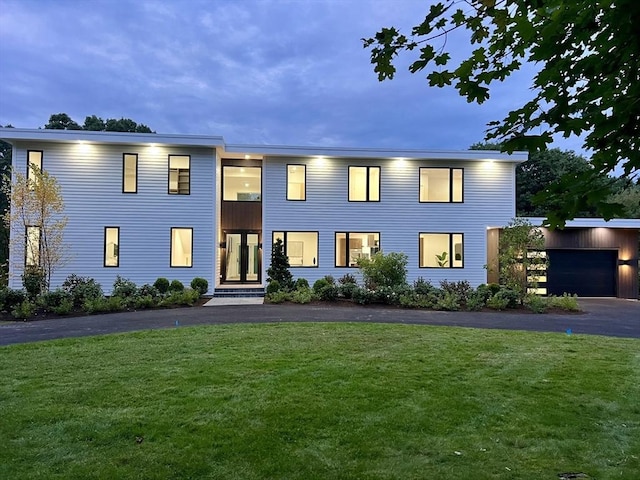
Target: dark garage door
{"type": "Point", "coordinates": [588, 273]}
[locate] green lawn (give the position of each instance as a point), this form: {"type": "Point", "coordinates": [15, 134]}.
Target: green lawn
{"type": "Point", "coordinates": [306, 401]}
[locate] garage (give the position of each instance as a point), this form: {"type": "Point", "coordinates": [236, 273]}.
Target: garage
{"type": "Point", "coordinates": [587, 273]}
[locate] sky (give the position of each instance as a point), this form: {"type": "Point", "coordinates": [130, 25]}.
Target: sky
{"type": "Point", "coordinates": [274, 72]}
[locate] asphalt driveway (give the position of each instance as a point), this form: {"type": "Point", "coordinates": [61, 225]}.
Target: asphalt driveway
{"type": "Point", "coordinates": [611, 317]}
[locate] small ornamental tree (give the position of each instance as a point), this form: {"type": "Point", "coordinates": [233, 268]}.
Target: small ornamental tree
{"type": "Point", "coordinates": [36, 203]}
{"type": "Point", "coordinates": [279, 269]}
{"type": "Point", "coordinates": [519, 256]}
{"type": "Point", "coordinates": [384, 270]}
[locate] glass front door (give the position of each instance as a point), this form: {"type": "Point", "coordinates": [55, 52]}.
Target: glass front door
{"type": "Point", "coordinates": [242, 257]}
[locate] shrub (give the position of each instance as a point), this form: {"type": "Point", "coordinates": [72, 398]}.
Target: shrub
{"type": "Point", "coordinates": [302, 295]}
{"type": "Point", "coordinates": [485, 291]}
{"type": "Point", "coordinates": [461, 289]}
{"type": "Point", "coordinates": [476, 300]}
{"type": "Point", "coordinates": [423, 287]}
{"type": "Point", "coordinates": [511, 296]}
{"type": "Point", "coordinates": [147, 290]}
{"type": "Point", "coordinates": [384, 270]}
{"type": "Point", "coordinates": [301, 283]}
{"type": "Point", "coordinates": [347, 279]}
{"type": "Point", "coordinates": [412, 299]}
{"type": "Point", "coordinates": [144, 301]}
{"type": "Point", "coordinates": [497, 302]}
{"type": "Point", "coordinates": [33, 281]}
{"type": "Point", "coordinates": [123, 288]}
{"type": "Point", "coordinates": [185, 297]}
{"type": "Point", "coordinates": [103, 305]}
{"type": "Point", "coordinates": [566, 302]}
{"type": "Point", "coordinates": [24, 310]}
{"type": "Point", "coordinates": [176, 286]}
{"type": "Point", "coordinates": [9, 298]}
{"type": "Point", "coordinates": [448, 301]}
{"type": "Point", "coordinates": [279, 268]}
{"type": "Point", "coordinates": [273, 286]}
{"type": "Point", "coordinates": [162, 285]}
{"type": "Point", "coordinates": [325, 289]}
{"type": "Point", "coordinates": [82, 289]}
{"type": "Point", "coordinates": [200, 285]}
{"type": "Point", "coordinates": [363, 296]}
{"type": "Point", "coordinates": [347, 289]}
{"type": "Point", "coordinates": [49, 301]}
{"type": "Point", "coordinates": [390, 295]}
{"type": "Point", "coordinates": [279, 296]}
{"type": "Point", "coordinates": [536, 303]}
{"type": "Point", "coordinates": [493, 288]}
{"type": "Point", "coordinates": [64, 308]}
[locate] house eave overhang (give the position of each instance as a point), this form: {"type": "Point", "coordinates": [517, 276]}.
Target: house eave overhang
{"type": "Point", "coordinates": [626, 223]}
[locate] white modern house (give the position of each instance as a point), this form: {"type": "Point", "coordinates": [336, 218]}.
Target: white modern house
{"type": "Point", "coordinates": [144, 206]}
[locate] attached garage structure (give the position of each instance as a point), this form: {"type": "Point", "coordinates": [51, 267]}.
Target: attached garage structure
{"type": "Point", "coordinates": [587, 273]}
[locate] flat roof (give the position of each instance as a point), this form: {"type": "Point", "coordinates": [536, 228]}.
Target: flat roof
{"type": "Point", "coordinates": [13, 135]}
{"type": "Point", "coordinates": [633, 223]}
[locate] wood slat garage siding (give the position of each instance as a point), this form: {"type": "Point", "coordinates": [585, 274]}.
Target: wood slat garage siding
{"type": "Point", "coordinates": [625, 241]}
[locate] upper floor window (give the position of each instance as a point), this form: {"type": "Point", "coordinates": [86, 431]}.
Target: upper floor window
{"type": "Point", "coordinates": [351, 246]}
{"type": "Point", "coordinates": [34, 163]}
{"type": "Point", "coordinates": [300, 247]}
{"type": "Point", "coordinates": [130, 173]}
{"type": "Point", "coordinates": [364, 184]}
{"type": "Point", "coordinates": [179, 174]}
{"type": "Point", "coordinates": [441, 184]}
{"type": "Point", "coordinates": [111, 246]}
{"type": "Point", "coordinates": [296, 182]}
{"type": "Point", "coordinates": [441, 250]}
{"type": "Point", "coordinates": [241, 184]}
{"type": "Point", "coordinates": [32, 246]}
{"type": "Point", "coordinates": [181, 247]}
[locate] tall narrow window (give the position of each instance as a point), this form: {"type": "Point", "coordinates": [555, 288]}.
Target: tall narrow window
{"type": "Point", "coordinates": [241, 184]}
{"type": "Point", "coordinates": [300, 247]}
{"type": "Point", "coordinates": [296, 182]}
{"type": "Point", "coordinates": [441, 185]}
{"type": "Point", "coordinates": [111, 246]}
{"type": "Point", "coordinates": [182, 247]}
{"type": "Point", "coordinates": [364, 184]}
{"type": "Point", "coordinates": [441, 250]}
{"type": "Point", "coordinates": [32, 246]}
{"type": "Point", "coordinates": [34, 162]}
{"type": "Point", "coordinates": [351, 246]}
{"type": "Point", "coordinates": [130, 173]}
{"type": "Point", "coordinates": [179, 174]}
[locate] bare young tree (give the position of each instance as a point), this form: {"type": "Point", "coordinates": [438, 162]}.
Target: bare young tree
{"type": "Point", "coordinates": [36, 219]}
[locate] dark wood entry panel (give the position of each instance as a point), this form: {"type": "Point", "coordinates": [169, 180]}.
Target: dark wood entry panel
{"type": "Point", "coordinates": [587, 273]}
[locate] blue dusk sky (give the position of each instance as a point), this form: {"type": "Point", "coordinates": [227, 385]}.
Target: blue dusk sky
{"type": "Point", "coordinates": [278, 72]}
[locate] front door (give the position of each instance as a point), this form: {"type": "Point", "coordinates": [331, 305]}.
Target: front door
{"type": "Point", "coordinates": [242, 260]}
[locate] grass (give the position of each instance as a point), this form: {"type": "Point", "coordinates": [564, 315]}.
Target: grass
{"type": "Point", "coordinates": [321, 401]}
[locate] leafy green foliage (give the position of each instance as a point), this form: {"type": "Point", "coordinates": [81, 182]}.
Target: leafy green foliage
{"type": "Point", "coordinates": [588, 54]}
{"type": "Point", "coordinates": [566, 302]}
{"type": "Point", "coordinates": [384, 270]}
{"type": "Point", "coordinates": [176, 286]}
{"type": "Point", "coordinates": [123, 287]}
{"type": "Point", "coordinates": [279, 268]}
{"type": "Point", "coordinates": [302, 295]}
{"type": "Point", "coordinates": [162, 285]}
{"type": "Point", "coordinates": [24, 310]}
{"type": "Point", "coordinates": [82, 289]}
{"type": "Point", "coordinates": [301, 283]}
{"type": "Point", "coordinates": [536, 303]}
{"type": "Point", "coordinates": [201, 285]}
{"type": "Point", "coordinates": [33, 281]}
{"type": "Point", "coordinates": [62, 121]}
{"type": "Point", "coordinates": [272, 287]}
{"type": "Point", "coordinates": [9, 298]}
{"type": "Point", "coordinates": [326, 288]}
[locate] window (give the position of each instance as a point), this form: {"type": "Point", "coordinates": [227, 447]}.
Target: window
{"type": "Point", "coordinates": [352, 246]}
{"type": "Point", "coordinates": [32, 246]}
{"type": "Point", "coordinates": [296, 182]}
{"type": "Point", "coordinates": [364, 184]}
{"type": "Point", "coordinates": [441, 185]}
{"type": "Point", "coordinates": [130, 173]}
{"type": "Point", "coordinates": [441, 250]}
{"type": "Point", "coordinates": [34, 162]}
{"type": "Point", "coordinates": [300, 247]}
{"type": "Point", "coordinates": [111, 246]}
{"type": "Point", "coordinates": [181, 247]}
{"type": "Point", "coordinates": [179, 177]}
{"type": "Point", "coordinates": [241, 184]}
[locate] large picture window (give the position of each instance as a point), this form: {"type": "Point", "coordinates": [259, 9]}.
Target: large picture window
{"type": "Point", "coordinates": [441, 250]}
{"type": "Point", "coordinates": [34, 163]}
{"type": "Point", "coordinates": [130, 173]}
{"type": "Point", "coordinates": [32, 246]}
{"type": "Point", "coordinates": [179, 174]}
{"type": "Point", "coordinates": [181, 247]}
{"type": "Point", "coordinates": [241, 184]}
{"type": "Point", "coordinates": [441, 184]}
{"type": "Point", "coordinates": [296, 182]}
{"type": "Point", "coordinates": [351, 246]}
{"type": "Point", "coordinates": [364, 184]}
{"type": "Point", "coordinates": [300, 247]}
{"type": "Point", "coordinates": [111, 246]}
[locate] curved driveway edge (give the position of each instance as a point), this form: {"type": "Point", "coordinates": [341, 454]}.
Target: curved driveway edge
{"type": "Point", "coordinates": [611, 317]}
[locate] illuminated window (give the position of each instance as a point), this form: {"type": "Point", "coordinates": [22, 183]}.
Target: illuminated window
{"type": "Point", "coordinates": [296, 182]}
{"type": "Point", "coordinates": [130, 173]}
{"type": "Point", "coordinates": [34, 163]}
{"type": "Point", "coordinates": [441, 250]}
{"type": "Point", "coordinates": [111, 246]}
{"type": "Point", "coordinates": [241, 184]}
{"type": "Point", "coordinates": [179, 174]}
{"type": "Point", "coordinates": [32, 246]}
{"type": "Point", "coordinates": [300, 247]}
{"type": "Point", "coordinates": [441, 185]}
{"type": "Point", "coordinates": [351, 246]}
{"type": "Point", "coordinates": [364, 184]}
{"type": "Point", "coordinates": [182, 247]}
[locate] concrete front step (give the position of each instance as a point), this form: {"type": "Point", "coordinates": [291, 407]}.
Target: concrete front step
{"type": "Point", "coordinates": [255, 292]}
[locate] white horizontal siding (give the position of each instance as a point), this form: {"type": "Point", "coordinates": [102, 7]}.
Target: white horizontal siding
{"type": "Point", "coordinates": [399, 217]}
{"type": "Point", "coordinates": [90, 177]}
